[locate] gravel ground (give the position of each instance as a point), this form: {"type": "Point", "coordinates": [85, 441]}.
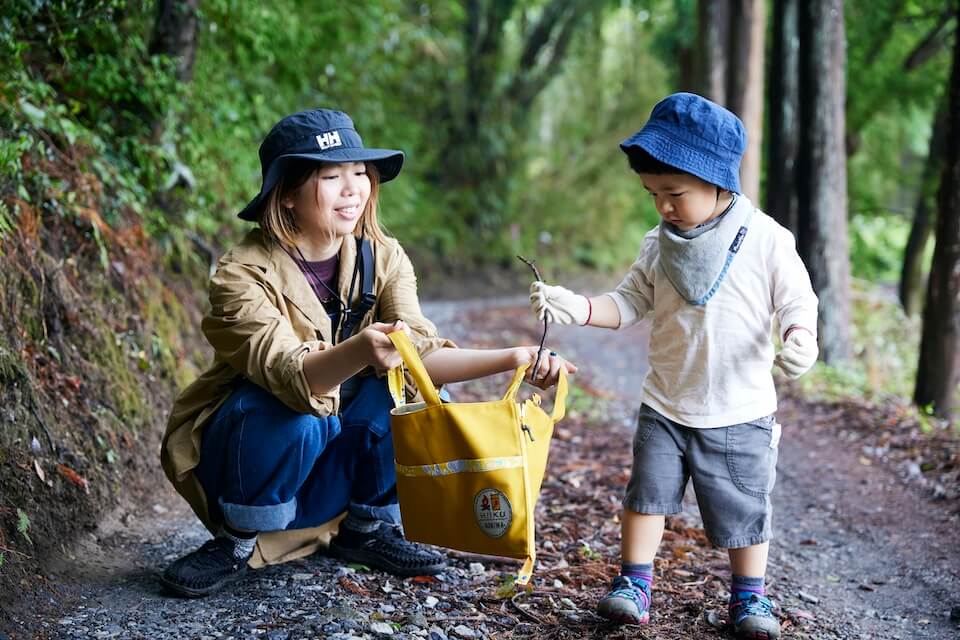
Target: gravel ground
{"type": "Point", "coordinates": [859, 553]}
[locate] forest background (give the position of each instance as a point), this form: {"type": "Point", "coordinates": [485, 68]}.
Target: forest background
{"type": "Point", "coordinates": [128, 138]}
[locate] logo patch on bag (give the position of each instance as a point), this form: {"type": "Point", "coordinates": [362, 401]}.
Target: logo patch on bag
{"type": "Point", "coordinates": [493, 512]}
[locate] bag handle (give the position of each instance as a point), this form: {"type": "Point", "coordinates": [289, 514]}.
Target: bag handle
{"type": "Point", "coordinates": [429, 392]}
{"type": "Point", "coordinates": [560, 397]}
{"type": "Point", "coordinates": [412, 359]}
{"type": "Point", "coordinates": [559, 408]}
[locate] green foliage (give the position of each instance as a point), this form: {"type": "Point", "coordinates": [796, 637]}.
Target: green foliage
{"type": "Point", "coordinates": [23, 524]}
{"type": "Point", "coordinates": [79, 75]}
{"type": "Point", "coordinates": [584, 207]}
{"type": "Point", "coordinates": [885, 346]}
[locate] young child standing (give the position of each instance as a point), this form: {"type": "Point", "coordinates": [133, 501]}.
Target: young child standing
{"type": "Point", "coordinates": [714, 276]}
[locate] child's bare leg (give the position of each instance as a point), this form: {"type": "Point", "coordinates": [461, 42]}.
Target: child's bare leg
{"type": "Point", "coordinates": [629, 597]}
{"type": "Point", "coordinates": [640, 537]}
{"type": "Point", "coordinates": [749, 561]}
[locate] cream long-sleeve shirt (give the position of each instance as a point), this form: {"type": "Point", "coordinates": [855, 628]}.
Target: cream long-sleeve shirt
{"type": "Point", "coordinates": [711, 365]}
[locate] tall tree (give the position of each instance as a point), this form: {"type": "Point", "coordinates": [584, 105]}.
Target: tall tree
{"type": "Point", "coordinates": [822, 172]}
{"type": "Point", "coordinates": [748, 23]}
{"type": "Point", "coordinates": [175, 34]}
{"type": "Point", "coordinates": [731, 71]}
{"type": "Point", "coordinates": [937, 371]}
{"type": "Point", "coordinates": [911, 275]}
{"type": "Point", "coordinates": [485, 117]}
{"type": "Point", "coordinates": [713, 28]}
{"type": "Point", "coordinates": [783, 106]}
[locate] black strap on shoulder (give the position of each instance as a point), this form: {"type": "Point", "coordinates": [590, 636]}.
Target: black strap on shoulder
{"type": "Point", "coordinates": [365, 268]}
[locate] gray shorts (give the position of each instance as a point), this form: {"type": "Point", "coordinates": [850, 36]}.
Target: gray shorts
{"type": "Point", "coordinates": [733, 470]}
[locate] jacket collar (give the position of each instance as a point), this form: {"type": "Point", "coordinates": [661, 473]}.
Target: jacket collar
{"type": "Point", "coordinates": [292, 283]}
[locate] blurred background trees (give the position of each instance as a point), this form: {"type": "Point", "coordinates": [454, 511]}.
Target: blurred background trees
{"type": "Point", "coordinates": [510, 113]}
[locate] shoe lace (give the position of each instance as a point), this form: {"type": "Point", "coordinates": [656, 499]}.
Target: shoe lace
{"type": "Point", "coordinates": [623, 587]}
{"type": "Point", "coordinates": [752, 606]}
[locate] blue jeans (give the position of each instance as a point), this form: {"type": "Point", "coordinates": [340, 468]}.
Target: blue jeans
{"type": "Point", "coordinates": [264, 467]}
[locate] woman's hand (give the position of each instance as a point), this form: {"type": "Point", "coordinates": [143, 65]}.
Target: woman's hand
{"type": "Point", "coordinates": [548, 371]}
{"type": "Point", "coordinates": [378, 350]}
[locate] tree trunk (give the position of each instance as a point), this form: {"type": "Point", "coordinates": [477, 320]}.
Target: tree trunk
{"type": "Point", "coordinates": [175, 34]}
{"type": "Point", "coordinates": [713, 28]}
{"type": "Point", "coordinates": [745, 84]}
{"type": "Point", "coordinates": [822, 171]}
{"type": "Point", "coordinates": [911, 275]}
{"type": "Point", "coordinates": [783, 105]}
{"type": "Point", "coordinates": [937, 372]}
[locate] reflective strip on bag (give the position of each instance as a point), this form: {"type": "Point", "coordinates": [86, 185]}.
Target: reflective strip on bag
{"type": "Point", "coordinates": [459, 466]}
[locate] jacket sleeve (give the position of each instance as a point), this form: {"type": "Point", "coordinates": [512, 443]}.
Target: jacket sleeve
{"type": "Point", "coordinates": [398, 301]}
{"type": "Point", "coordinates": [794, 301]}
{"type": "Point", "coordinates": [248, 331]}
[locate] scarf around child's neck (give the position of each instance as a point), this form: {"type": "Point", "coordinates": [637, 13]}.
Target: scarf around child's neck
{"type": "Point", "coordinates": [696, 261]}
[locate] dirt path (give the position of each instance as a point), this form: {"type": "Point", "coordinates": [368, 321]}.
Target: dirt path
{"type": "Point", "coordinates": [857, 554]}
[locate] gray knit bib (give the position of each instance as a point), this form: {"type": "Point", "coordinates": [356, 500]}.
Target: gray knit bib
{"type": "Point", "coordinates": [697, 266]}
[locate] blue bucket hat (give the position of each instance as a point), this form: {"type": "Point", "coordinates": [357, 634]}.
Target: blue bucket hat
{"type": "Point", "coordinates": [695, 135]}
{"type": "Point", "coordinates": [322, 135]}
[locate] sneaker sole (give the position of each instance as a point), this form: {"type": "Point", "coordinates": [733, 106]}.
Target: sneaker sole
{"type": "Point", "coordinates": [360, 556]}
{"type": "Point", "coordinates": [190, 592]}
{"type": "Point", "coordinates": [623, 615]}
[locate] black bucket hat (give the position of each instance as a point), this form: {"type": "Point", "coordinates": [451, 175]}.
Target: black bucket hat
{"type": "Point", "coordinates": [322, 135]}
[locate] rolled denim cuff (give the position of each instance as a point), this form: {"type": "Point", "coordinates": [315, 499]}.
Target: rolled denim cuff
{"type": "Point", "coordinates": [268, 517]}
{"type": "Point", "coordinates": [388, 513]}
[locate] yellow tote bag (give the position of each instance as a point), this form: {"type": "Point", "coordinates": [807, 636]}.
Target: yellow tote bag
{"type": "Point", "coordinates": [469, 473]}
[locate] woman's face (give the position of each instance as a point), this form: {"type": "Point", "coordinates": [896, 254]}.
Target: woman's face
{"type": "Point", "coordinates": [332, 200]}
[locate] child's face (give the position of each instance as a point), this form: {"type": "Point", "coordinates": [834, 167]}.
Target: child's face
{"type": "Point", "coordinates": [683, 199]}
{"type": "Point", "coordinates": [333, 200]}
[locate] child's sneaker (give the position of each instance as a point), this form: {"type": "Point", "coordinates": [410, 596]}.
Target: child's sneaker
{"type": "Point", "coordinates": [753, 619]}
{"type": "Point", "coordinates": [627, 603]}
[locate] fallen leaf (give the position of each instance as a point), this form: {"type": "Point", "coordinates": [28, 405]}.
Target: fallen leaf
{"type": "Point", "coordinates": [39, 470]}
{"type": "Point", "coordinates": [73, 477]}
{"type": "Point", "coordinates": [352, 586]}
{"type": "Point", "coordinates": [424, 580]}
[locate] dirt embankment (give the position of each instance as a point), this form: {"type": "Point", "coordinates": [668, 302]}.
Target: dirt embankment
{"type": "Point", "coordinates": [94, 339]}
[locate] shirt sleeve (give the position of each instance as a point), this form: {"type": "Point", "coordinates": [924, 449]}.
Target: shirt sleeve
{"type": "Point", "coordinates": [794, 302]}
{"type": "Point", "coordinates": [634, 295]}
{"type": "Point", "coordinates": [248, 331]}
{"type": "Point", "coordinates": [398, 301]}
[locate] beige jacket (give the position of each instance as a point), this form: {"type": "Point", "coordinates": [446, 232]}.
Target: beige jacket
{"type": "Point", "coordinates": [264, 318]}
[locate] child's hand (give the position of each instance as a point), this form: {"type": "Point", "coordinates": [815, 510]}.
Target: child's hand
{"type": "Point", "coordinates": [558, 304]}
{"type": "Point", "coordinates": [799, 352]}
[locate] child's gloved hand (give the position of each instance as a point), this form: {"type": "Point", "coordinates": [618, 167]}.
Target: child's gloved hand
{"type": "Point", "coordinates": [558, 304]}
{"type": "Point", "coordinates": [798, 354]}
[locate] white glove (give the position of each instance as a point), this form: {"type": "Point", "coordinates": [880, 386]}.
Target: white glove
{"type": "Point", "coordinates": [558, 304]}
{"type": "Point", "coordinates": [798, 354]}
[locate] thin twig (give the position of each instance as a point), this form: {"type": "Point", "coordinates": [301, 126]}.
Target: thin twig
{"type": "Point", "coordinates": [14, 551]}
{"type": "Point", "coordinates": [529, 614]}
{"type": "Point", "coordinates": [543, 338]}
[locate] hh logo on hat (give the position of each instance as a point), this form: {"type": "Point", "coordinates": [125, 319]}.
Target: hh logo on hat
{"type": "Point", "coordinates": [329, 139]}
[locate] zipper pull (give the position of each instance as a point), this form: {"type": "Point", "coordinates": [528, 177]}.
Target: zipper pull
{"type": "Point", "coordinates": [529, 434]}
{"type": "Point", "coordinates": [523, 426]}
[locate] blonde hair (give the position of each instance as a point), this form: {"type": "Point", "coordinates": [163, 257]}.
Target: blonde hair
{"type": "Point", "coordinates": [279, 223]}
